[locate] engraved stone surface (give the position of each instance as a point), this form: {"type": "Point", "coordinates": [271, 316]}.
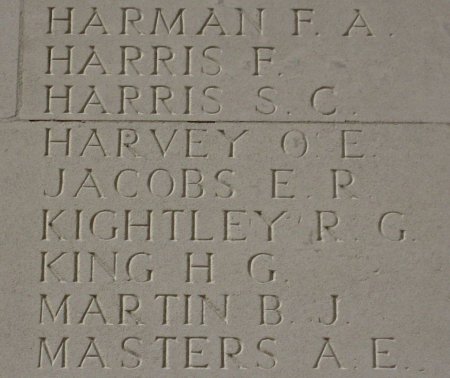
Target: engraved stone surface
{"type": "Point", "coordinates": [9, 63]}
{"type": "Point", "coordinates": [225, 189]}
{"type": "Point", "coordinates": [328, 60]}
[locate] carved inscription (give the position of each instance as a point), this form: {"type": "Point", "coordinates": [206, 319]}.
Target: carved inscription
{"type": "Point", "coordinates": [220, 189]}
{"type": "Point", "coordinates": [167, 61]}
{"type": "Point", "coordinates": [169, 251]}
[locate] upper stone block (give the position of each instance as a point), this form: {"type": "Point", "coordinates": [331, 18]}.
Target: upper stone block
{"type": "Point", "coordinates": [249, 60]}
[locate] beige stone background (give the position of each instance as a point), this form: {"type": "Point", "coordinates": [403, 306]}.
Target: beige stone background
{"type": "Point", "coordinates": [392, 94]}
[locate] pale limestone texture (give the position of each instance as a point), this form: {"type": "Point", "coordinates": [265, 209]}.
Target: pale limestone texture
{"type": "Point", "coordinates": [311, 242]}
{"type": "Point", "coordinates": [390, 66]}
{"type": "Point", "coordinates": [9, 62]}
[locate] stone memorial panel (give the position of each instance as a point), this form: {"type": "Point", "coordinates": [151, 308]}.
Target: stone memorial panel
{"type": "Point", "coordinates": [225, 189]}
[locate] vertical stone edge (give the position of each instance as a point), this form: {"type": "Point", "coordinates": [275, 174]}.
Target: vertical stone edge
{"type": "Point", "coordinates": [11, 14]}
